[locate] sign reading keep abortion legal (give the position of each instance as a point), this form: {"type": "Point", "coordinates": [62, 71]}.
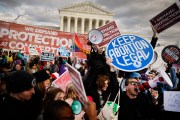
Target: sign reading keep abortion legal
{"type": "Point", "coordinates": [130, 52]}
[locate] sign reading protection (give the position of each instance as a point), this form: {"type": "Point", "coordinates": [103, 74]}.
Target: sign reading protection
{"type": "Point", "coordinates": [130, 53]}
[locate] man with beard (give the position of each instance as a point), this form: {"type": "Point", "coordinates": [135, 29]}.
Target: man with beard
{"type": "Point", "coordinates": [133, 104]}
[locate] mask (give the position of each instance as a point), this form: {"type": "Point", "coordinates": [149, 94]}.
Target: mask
{"type": "Point", "coordinates": [64, 61]}
{"type": "Point", "coordinates": [33, 71]}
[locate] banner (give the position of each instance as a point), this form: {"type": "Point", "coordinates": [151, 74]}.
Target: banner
{"type": "Point", "coordinates": [16, 36]}
{"type": "Point", "coordinates": [130, 53]}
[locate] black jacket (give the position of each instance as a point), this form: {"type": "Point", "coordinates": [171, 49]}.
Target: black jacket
{"type": "Point", "coordinates": [13, 109]}
{"type": "Point", "coordinates": [135, 109]}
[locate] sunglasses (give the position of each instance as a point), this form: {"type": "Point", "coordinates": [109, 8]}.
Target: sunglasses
{"type": "Point", "coordinates": [153, 73]}
{"type": "Point", "coordinates": [134, 83]}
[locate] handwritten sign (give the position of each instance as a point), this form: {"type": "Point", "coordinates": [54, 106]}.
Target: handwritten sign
{"type": "Point", "coordinates": [172, 101]}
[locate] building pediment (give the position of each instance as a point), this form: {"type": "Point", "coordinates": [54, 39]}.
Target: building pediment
{"type": "Point", "coordinates": [86, 7]}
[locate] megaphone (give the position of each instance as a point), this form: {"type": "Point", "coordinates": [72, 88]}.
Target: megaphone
{"type": "Point", "coordinates": [77, 65]}
{"type": "Point", "coordinates": [76, 107]}
{"type": "Point", "coordinates": [95, 36]}
{"type": "Point", "coordinates": [161, 77]}
{"type": "Point", "coordinates": [165, 76]}
{"type": "Point", "coordinates": [154, 57]}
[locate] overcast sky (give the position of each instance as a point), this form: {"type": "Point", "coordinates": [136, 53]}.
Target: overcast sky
{"type": "Point", "coordinates": [131, 16]}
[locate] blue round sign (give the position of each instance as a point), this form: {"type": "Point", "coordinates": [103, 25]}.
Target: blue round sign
{"type": "Point", "coordinates": [130, 52]}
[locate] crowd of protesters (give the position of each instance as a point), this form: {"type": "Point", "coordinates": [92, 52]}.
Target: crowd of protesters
{"type": "Point", "coordinates": [26, 91]}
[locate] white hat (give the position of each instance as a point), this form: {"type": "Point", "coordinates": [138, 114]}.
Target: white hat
{"type": "Point", "coordinates": [55, 75]}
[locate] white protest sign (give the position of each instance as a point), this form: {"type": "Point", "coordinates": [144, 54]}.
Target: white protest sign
{"type": "Point", "coordinates": [31, 50]}
{"type": "Point", "coordinates": [172, 101]}
{"type": "Point", "coordinates": [47, 56]}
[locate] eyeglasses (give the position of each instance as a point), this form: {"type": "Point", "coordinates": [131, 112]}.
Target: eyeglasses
{"type": "Point", "coordinates": [152, 72]}
{"type": "Point", "coordinates": [134, 83]}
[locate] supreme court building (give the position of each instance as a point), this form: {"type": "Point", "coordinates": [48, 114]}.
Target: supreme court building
{"type": "Point", "coordinates": [82, 17]}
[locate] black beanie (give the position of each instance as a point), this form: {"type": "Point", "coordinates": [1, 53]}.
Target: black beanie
{"type": "Point", "coordinates": [20, 81]}
{"type": "Point", "coordinates": [41, 76]}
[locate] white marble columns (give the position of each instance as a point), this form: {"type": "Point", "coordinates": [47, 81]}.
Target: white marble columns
{"type": "Point", "coordinates": [78, 25]}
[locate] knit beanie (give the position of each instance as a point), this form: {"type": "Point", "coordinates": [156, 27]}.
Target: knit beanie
{"type": "Point", "coordinates": [41, 76]}
{"type": "Point", "coordinates": [20, 81]}
{"type": "Point", "coordinates": [135, 75]}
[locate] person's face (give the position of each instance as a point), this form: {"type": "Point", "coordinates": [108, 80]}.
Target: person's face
{"type": "Point", "coordinates": [47, 83]}
{"type": "Point", "coordinates": [100, 50]}
{"type": "Point", "coordinates": [151, 76]}
{"type": "Point", "coordinates": [154, 93]}
{"type": "Point", "coordinates": [34, 66]}
{"type": "Point", "coordinates": [26, 95]}
{"type": "Point", "coordinates": [18, 67]}
{"type": "Point", "coordinates": [132, 88]}
{"type": "Point", "coordinates": [104, 88]}
{"type": "Point", "coordinates": [59, 96]}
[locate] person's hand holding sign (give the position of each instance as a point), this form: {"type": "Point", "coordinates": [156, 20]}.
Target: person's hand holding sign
{"type": "Point", "coordinates": [109, 62]}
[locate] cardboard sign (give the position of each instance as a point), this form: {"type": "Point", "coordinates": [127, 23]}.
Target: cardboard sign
{"type": "Point", "coordinates": [130, 53]}
{"type": "Point", "coordinates": [64, 52]}
{"type": "Point", "coordinates": [109, 31]}
{"type": "Point", "coordinates": [172, 101]}
{"type": "Point", "coordinates": [31, 50]}
{"type": "Point", "coordinates": [171, 54]}
{"type": "Point", "coordinates": [166, 19]}
{"type": "Point", "coordinates": [47, 56]}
